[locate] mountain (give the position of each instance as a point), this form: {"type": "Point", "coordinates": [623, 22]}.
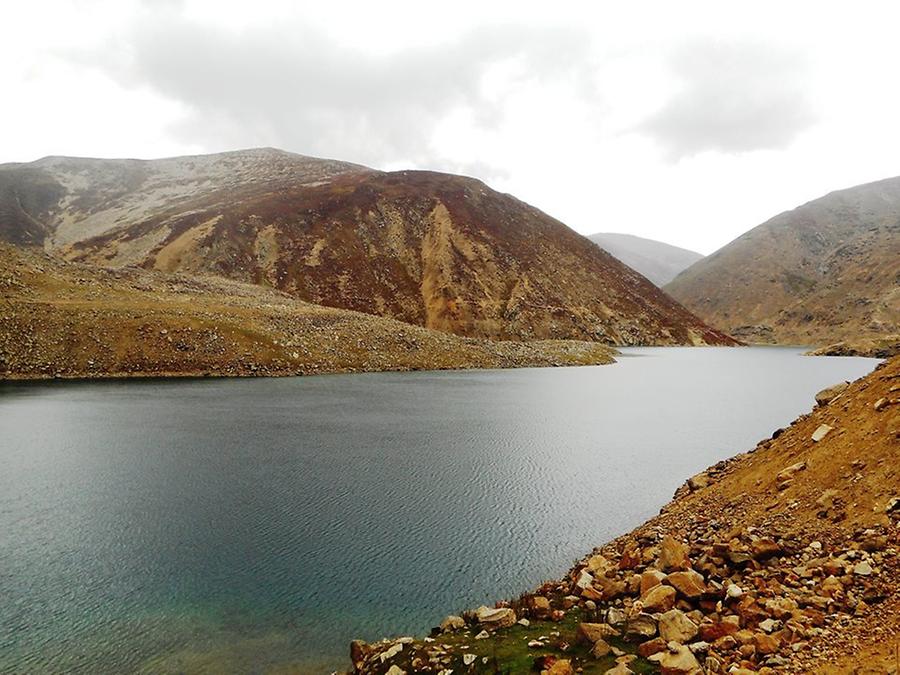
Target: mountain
{"type": "Point", "coordinates": [825, 272]}
{"type": "Point", "coordinates": [437, 250]}
{"type": "Point", "coordinates": [60, 319]}
{"type": "Point", "coordinates": [656, 260]}
{"type": "Point", "coordinates": [779, 560]}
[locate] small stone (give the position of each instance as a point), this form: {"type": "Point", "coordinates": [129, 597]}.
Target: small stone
{"type": "Point", "coordinates": [821, 432]}
{"type": "Point", "coordinates": [395, 670]}
{"type": "Point", "coordinates": [734, 591]}
{"type": "Point", "coordinates": [469, 659]}
{"type": "Point", "coordinates": [483, 635]}
{"type": "Point", "coordinates": [600, 649]}
{"type": "Point", "coordinates": [524, 622]}
{"type": "Point", "coordinates": [862, 569]}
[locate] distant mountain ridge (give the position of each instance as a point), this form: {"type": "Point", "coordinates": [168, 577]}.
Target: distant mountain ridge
{"type": "Point", "coordinates": [658, 261]}
{"type": "Point", "coordinates": [436, 250]}
{"type": "Point", "coordinates": [824, 272]}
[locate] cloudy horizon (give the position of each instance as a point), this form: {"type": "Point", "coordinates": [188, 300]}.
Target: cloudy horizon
{"type": "Point", "coordinates": [689, 124]}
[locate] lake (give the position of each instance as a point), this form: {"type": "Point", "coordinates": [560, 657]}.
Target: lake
{"type": "Point", "coordinates": [245, 526]}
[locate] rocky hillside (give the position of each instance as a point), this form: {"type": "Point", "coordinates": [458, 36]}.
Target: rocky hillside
{"type": "Point", "coordinates": [435, 250]}
{"type": "Point", "coordinates": [782, 560]}
{"type": "Point", "coordinates": [656, 260]}
{"type": "Point", "coordinates": [824, 272]}
{"type": "Point", "coordinates": [61, 319]}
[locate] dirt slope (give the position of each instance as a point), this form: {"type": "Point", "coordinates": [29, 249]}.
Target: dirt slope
{"type": "Point", "coordinates": [827, 271]}
{"type": "Point", "coordinates": [436, 250]}
{"type": "Point", "coordinates": [73, 320]}
{"type": "Point", "coordinates": [785, 559]}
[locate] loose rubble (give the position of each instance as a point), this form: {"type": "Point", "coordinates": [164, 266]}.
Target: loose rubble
{"type": "Point", "coordinates": [750, 570]}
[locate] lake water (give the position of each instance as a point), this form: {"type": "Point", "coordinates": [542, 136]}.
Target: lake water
{"type": "Point", "coordinates": [248, 525]}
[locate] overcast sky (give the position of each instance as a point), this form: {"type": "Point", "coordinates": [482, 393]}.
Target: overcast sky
{"type": "Point", "coordinates": [686, 122]}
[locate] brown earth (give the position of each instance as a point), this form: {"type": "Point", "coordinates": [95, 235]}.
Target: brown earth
{"type": "Point", "coordinates": [785, 559]}
{"type": "Point", "coordinates": [436, 250]}
{"type": "Point", "coordinates": [61, 319]}
{"type": "Point", "coordinates": [825, 272]}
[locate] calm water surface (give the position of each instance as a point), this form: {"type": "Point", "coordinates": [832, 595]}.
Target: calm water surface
{"type": "Point", "coordinates": [241, 525]}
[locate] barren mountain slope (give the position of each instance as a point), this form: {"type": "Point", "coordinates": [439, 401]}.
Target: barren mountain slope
{"type": "Point", "coordinates": [826, 271]}
{"type": "Point", "coordinates": [73, 320]}
{"type": "Point", "coordinates": [656, 260]}
{"type": "Point", "coordinates": [785, 559]}
{"type": "Point", "coordinates": [432, 249]}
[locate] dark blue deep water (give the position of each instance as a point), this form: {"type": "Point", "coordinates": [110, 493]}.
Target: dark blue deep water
{"type": "Point", "coordinates": [248, 526]}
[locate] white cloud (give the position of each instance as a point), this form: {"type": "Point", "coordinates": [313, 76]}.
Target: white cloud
{"type": "Point", "coordinates": [578, 108]}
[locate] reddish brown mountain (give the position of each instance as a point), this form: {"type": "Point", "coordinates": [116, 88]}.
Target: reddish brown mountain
{"type": "Point", "coordinates": [432, 249]}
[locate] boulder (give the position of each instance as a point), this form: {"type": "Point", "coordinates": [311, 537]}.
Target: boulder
{"type": "Point", "coordinates": [677, 660]}
{"type": "Point", "coordinates": [673, 554]}
{"type": "Point", "coordinates": [698, 482]}
{"type": "Point", "coordinates": [452, 623]}
{"type": "Point", "coordinates": [650, 579]}
{"type": "Point", "coordinates": [675, 625]}
{"type": "Point", "coordinates": [495, 618]}
{"type": "Point", "coordinates": [589, 633]}
{"type": "Point", "coordinates": [765, 548]}
{"type": "Point", "coordinates": [821, 432]}
{"type": "Point", "coordinates": [359, 652]}
{"type": "Point", "coordinates": [828, 394]}
{"type": "Point", "coordinates": [659, 599]}
{"type": "Point", "coordinates": [615, 616]}
{"type": "Point", "coordinates": [687, 582]}
{"type": "Point", "coordinates": [598, 565]}
{"type": "Point", "coordinates": [600, 649]}
{"type": "Point", "coordinates": [788, 473]}
{"type": "Point", "coordinates": [640, 627]}
{"type": "Point", "coordinates": [540, 606]}
{"type": "Point", "coordinates": [766, 644]}
{"type": "Point", "coordinates": [560, 667]}
{"type": "Point", "coordinates": [651, 647]}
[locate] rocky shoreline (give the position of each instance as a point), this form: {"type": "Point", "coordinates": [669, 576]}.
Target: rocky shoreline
{"type": "Point", "coordinates": [69, 321]}
{"type": "Point", "coordinates": [781, 560]}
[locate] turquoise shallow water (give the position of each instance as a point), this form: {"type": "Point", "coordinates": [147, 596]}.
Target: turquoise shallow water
{"type": "Point", "coordinates": [240, 526]}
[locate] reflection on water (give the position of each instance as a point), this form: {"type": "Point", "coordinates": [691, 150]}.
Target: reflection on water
{"type": "Point", "coordinates": [253, 525]}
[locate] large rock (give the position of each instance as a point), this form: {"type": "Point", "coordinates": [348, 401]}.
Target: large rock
{"type": "Point", "coordinates": [659, 599]}
{"type": "Point", "coordinates": [452, 623]}
{"type": "Point", "coordinates": [687, 582]}
{"type": "Point", "coordinates": [640, 627]}
{"type": "Point", "coordinates": [675, 625]}
{"type": "Point", "coordinates": [651, 579]}
{"type": "Point", "coordinates": [677, 661]}
{"type": "Point", "coordinates": [673, 554]}
{"type": "Point", "coordinates": [821, 432]}
{"type": "Point", "coordinates": [561, 667]}
{"type": "Point", "coordinates": [495, 618]}
{"type": "Point", "coordinates": [827, 395]}
{"type": "Point", "coordinates": [589, 633]}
